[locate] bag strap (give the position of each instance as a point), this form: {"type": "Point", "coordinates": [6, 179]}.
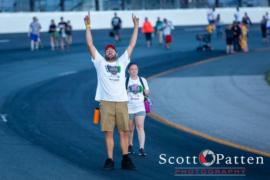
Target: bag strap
{"type": "Point", "coordinates": [142, 86]}
{"type": "Point", "coordinates": [127, 80]}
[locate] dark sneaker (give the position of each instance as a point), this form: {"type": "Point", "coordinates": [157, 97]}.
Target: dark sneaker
{"type": "Point", "coordinates": [127, 164]}
{"type": "Point", "coordinates": [141, 152]}
{"type": "Point", "coordinates": [109, 164]}
{"type": "Point", "coordinates": [130, 150]}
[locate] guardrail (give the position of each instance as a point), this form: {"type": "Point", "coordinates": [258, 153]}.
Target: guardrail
{"type": "Point", "coordinates": [19, 22]}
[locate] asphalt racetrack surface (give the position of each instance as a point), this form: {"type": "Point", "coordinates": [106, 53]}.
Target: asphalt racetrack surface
{"type": "Point", "coordinates": [47, 102]}
{"type": "Point", "coordinates": [228, 96]}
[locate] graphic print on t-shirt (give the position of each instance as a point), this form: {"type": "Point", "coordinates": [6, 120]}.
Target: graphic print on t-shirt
{"type": "Point", "coordinates": [114, 72]}
{"type": "Point", "coordinates": [135, 89]}
{"type": "Point", "coordinates": [113, 69]}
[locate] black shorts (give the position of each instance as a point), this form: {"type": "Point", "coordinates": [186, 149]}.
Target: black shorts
{"type": "Point", "coordinates": [69, 33]}
{"type": "Point", "coordinates": [116, 30]}
{"type": "Point", "coordinates": [264, 33]}
{"type": "Point", "coordinates": [148, 36]}
{"type": "Point", "coordinates": [229, 41]}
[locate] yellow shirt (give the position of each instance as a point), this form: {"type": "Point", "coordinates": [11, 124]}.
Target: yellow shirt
{"type": "Point", "coordinates": [210, 28]}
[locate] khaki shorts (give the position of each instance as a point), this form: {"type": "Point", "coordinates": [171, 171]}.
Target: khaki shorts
{"type": "Point", "coordinates": [114, 114]}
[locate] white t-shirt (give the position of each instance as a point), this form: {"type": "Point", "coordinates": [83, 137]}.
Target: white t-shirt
{"type": "Point", "coordinates": [35, 28]}
{"type": "Point", "coordinates": [167, 28]}
{"type": "Point", "coordinates": [111, 78]}
{"type": "Point", "coordinates": [211, 15]}
{"type": "Point", "coordinates": [237, 16]}
{"type": "Point", "coordinates": [135, 95]}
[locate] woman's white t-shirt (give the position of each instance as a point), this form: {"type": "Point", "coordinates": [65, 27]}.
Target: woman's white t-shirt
{"type": "Point", "coordinates": [111, 78]}
{"type": "Point", "coordinates": [135, 95]}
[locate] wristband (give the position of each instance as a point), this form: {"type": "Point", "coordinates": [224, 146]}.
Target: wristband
{"type": "Point", "coordinates": [87, 25]}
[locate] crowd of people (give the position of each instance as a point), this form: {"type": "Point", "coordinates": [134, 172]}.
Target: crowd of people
{"type": "Point", "coordinates": [60, 34]}
{"type": "Point", "coordinates": [162, 30]}
{"type": "Point", "coordinates": [236, 34]}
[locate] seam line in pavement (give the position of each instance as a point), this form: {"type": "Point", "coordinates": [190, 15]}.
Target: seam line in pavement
{"type": "Point", "coordinates": [180, 127]}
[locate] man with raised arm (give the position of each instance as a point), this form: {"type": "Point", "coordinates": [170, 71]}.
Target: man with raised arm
{"type": "Point", "coordinates": [111, 92]}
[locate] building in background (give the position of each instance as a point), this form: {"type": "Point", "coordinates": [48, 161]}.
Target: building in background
{"type": "Point", "coordinates": [99, 5]}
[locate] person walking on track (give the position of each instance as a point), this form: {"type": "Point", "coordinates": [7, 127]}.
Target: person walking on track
{"type": "Point", "coordinates": [138, 90]}
{"type": "Point", "coordinates": [111, 93]}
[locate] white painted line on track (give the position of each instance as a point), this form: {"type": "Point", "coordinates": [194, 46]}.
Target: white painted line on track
{"type": "Point", "coordinates": [4, 40]}
{"type": "Point", "coordinates": [4, 117]}
{"type": "Point", "coordinates": [67, 73]}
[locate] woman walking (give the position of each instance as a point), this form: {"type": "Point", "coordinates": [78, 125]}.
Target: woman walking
{"type": "Point", "coordinates": [137, 88]}
{"type": "Point", "coordinates": [53, 35]}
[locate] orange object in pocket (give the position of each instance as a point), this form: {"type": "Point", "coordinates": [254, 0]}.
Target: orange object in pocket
{"type": "Point", "coordinates": [96, 116]}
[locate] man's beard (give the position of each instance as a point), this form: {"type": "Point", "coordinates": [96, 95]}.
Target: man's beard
{"type": "Point", "coordinates": [110, 59]}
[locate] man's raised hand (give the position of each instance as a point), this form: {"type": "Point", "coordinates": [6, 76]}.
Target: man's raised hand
{"type": "Point", "coordinates": [88, 36]}
{"type": "Point", "coordinates": [135, 20]}
{"type": "Point", "coordinates": [134, 36]}
{"type": "Point", "coordinates": [87, 20]}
